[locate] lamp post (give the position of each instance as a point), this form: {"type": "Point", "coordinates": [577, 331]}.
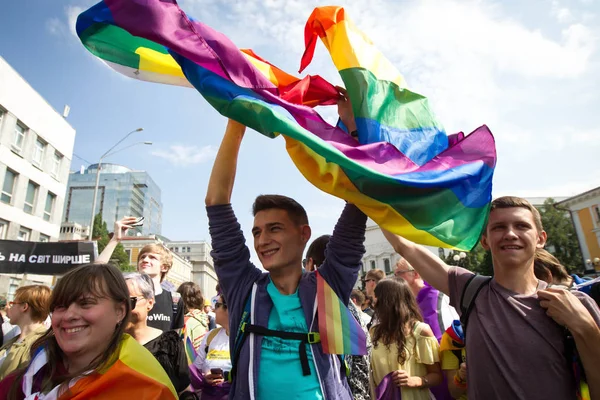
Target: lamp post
{"type": "Point", "coordinates": [593, 263]}
{"type": "Point", "coordinates": [109, 152]}
{"type": "Point", "coordinates": [458, 258]}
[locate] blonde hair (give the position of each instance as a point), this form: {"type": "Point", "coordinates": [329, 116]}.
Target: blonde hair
{"type": "Point", "coordinates": [166, 258]}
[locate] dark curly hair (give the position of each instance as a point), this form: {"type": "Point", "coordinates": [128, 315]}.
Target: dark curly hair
{"type": "Point", "coordinates": [396, 311]}
{"type": "Point", "coordinates": [192, 297]}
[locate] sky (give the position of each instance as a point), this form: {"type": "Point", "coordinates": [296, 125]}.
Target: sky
{"type": "Point", "coordinates": [528, 69]}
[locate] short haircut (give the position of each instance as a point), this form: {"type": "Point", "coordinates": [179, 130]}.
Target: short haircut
{"type": "Point", "coordinates": [37, 298]}
{"type": "Point", "coordinates": [512, 202]}
{"type": "Point", "coordinates": [316, 250]}
{"type": "Point", "coordinates": [142, 282]}
{"type": "Point", "coordinates": [375, 274]}
{"type": "Point", "coordinates": [192, 297]}
{"type": "Point", "coordinates": [166, 258]}
{"type": "Point", "coordinates": [357, 295]}
{"type": "Point", "coordinates": [545, 262]}
{"type": "Point", "coordinates": [295, 211]}
{"type": "Point", "coordinates": [405, 263]}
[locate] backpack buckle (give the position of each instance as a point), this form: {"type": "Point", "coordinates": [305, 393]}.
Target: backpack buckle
{"type": "Point", "coordinates": [313, 337]}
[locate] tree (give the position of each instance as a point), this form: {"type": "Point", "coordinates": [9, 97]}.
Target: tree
{"type": "Point", "coordinates": [119, 256]}
{"type": "Point", "coordinates": [477, 260]}
{"type": "Point", "coordinates": [562, 239]}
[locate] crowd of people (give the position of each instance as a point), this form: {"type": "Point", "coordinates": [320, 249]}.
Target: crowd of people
{"type": "Point", "coordinates": [99, 333]}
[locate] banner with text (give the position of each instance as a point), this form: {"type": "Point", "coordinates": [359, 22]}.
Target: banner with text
{"type": "Point", "coordinates": [44, 258]}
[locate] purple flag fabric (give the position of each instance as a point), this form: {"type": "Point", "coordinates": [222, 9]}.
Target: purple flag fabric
{"type": "Point", "coordinates": [386, 390]}
{"type": "Point", "coordinates": [427, 299]}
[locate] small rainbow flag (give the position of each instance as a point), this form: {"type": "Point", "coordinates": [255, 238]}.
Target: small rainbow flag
{"type": "Point", "coordinates": [190, 352]}
{"type": "Point", "coordinates": [405, 172]}
{"type": "Point", "coordinates": [340, 332]}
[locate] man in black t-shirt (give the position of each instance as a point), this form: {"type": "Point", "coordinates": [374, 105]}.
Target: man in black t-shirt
{"type": "Point", "coordinates": [168, 312]}
{"type": "Point", "coordinates": [154, 260]}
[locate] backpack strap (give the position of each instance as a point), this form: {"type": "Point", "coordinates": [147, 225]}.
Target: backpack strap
{"type": "Point", "coordinates": [468, 296]}
{"type": "Point", "coordinates": [240, 337]}
{"type": "Point", "coordinates": [210, 337]}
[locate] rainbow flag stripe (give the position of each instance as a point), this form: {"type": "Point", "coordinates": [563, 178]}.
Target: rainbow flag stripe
{"type": "Point", "coordinates": [340, 332]}
{"type": "Point", "coordinates": [406, 174]}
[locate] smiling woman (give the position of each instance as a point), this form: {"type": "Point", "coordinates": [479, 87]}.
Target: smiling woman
{"type": "Point", "coordinates": [87, 353]}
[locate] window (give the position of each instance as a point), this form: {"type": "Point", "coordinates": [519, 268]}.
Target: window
{"type": "Point", "coordinates": [18, 137]}
{"type": "Point", "coordinates": [50, 200]}
{"type": "Point", "coordinates": [56, 161]}
{"type": "Point", "coordinates": [30, 197]}
{"type": "Point", "coordinates": [373, 264]}
{"type": "Point", "coordinates": [597, 213]}
{"type": "Point", "coordinates": [3, 229]}
{"type": "Point", "coordinates": [9, 186]}
{"type": "Point", "coordinates": [38, 153]}
{"type": "Point", "coordinates": [386, 265]}
{"type": "Point", "coordinates": [44, 238]}
{"type": "Point", "coordinates": [24, 234]}
{"type": "Point", "coordinates": [183, 249]}
{"type": "Point", "coordinates": [188, 250]}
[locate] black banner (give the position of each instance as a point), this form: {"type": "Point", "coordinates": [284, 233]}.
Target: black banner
{"type": "Point", "coordinates": [44, 258]}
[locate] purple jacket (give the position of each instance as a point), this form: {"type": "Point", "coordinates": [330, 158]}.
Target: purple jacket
{"type": "Point", "coordinates": [240, 279]}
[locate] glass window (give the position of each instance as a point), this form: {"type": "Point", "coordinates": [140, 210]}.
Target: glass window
{"type": "Point", "coordinates": [3, 229]}
{"type": "Point", "coordinates": [597, 212]}
{"type": "Point", "coordinates": [56, 161]}
{"type": "Point", "coordinates": [49, 207]}
{"type": "Point", "coordinates": [373, 264]}
{"type": "Point", "coordinates": [30, 197]}
{"type": "Point", "coordinates": [19, 136]}
{"type": "Point", "coordinates": [38, 153]}
{"type": "Point", "coordinates": [188, 250]}
{"type": "Point", "coordinates": [44, 238]}
{"type": "Point", "coordinates": [9, 186]}
{"type": "Point", "coordinates": [24, 234]}
{"type": "Point", "coordinates": [386, 265]}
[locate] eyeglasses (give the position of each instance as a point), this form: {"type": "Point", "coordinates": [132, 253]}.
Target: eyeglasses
{"type": "Point", "coordinates": [398, 273]}
{"type": "Point", "coordinates": [12, 303]}
{"type": "Point", "coordinates": [219, 304]}
{"type": "Point", "coordinates": [133, 301]}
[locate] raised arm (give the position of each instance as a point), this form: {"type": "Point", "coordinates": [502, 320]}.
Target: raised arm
{"type": "Point", "coordinates": [222, 178]}
{"type": "Point", "coordinates": [121, 228]}
{"type": "Point", "coordinates": [431, 268]}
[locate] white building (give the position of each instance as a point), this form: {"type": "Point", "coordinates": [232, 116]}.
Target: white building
{"type": "Point", "coordinates": [36, 147]}
{"type": "Point", "coordinates": [198, 253]}
{"type": "Point", "coordinates": [73, 231]}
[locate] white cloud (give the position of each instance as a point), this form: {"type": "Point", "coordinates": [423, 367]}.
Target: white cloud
{"type": "Point", "coordinates": [55, 26]}
{"type": "Point", "coordinates": [562, 14]}
{"type": "Point", "coordinates": [183, 156]}
{"type": "Point", "coordinates": [72, 13]}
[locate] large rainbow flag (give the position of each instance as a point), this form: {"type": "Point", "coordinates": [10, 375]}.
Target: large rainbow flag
{"type": "Point", "coordinates": [340, 333]}
{"type": "Point", "coordinates": [405, 172]}
{"type": "Point", "coordinates": [134, 374]}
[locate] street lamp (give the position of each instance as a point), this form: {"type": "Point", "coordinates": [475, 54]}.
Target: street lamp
{"type": "Point", "coordinates": [459, 257]}
{"type": "Point", "coordinates": [593, 264]}
{"type": "Point", "coordinates": [108, 153]}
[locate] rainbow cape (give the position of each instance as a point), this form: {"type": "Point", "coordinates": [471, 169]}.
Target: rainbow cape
{"type": "Point", "coordinates": [405, 172]}
{"type": "Point", "coordinates": [135, 374]}
{"type": "Point", "coordinates": [340, 332]}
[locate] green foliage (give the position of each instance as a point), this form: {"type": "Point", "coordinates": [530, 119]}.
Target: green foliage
{"type": "Point", "coordinates": [119, 256]}
{"type": "Point", "coordinates": [562, 238]}
{"type": "Point", "coordinates": [477, 260]}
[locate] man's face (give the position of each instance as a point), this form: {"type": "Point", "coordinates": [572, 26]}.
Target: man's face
{"type": "Point", "coordinates": [278, 241]}
{"type": "Point", "coordinates": [150, 263]}
{"type": "Point", "coordinates": [512, 237]}
{"type": "Point", "coordinates": [370, 284]}
{"type": "Point", "coordinates": [405, 271]}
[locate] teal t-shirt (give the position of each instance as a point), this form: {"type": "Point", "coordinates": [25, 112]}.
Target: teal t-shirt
{"type": "Point", "coordinates": [280, 374]}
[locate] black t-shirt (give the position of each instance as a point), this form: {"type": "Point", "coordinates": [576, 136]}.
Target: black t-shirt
{"type": "Point", "coordinates": [169, 351]}
{"type": "Point", "coordinates": [161, 315]}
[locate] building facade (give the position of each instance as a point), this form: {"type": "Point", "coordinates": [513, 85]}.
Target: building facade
{"type": "Point", "coordinates": [36, 147]}
{"type": "Point", "coordinates": [179, 273]}
{"type": "Point", "coordinates": [585, 213]}
{"type": "Point", "coordinates": [121, 192]}
{"type": "Point", "coordinates": [203, 272]}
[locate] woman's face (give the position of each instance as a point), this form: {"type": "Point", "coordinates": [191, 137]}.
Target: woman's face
{"type": "Point", "coordinates": [221, 313]}
{"type": "Point", "coordinates": [83, 329]}
{"type": "Point", "coordinates": [139, 313]}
